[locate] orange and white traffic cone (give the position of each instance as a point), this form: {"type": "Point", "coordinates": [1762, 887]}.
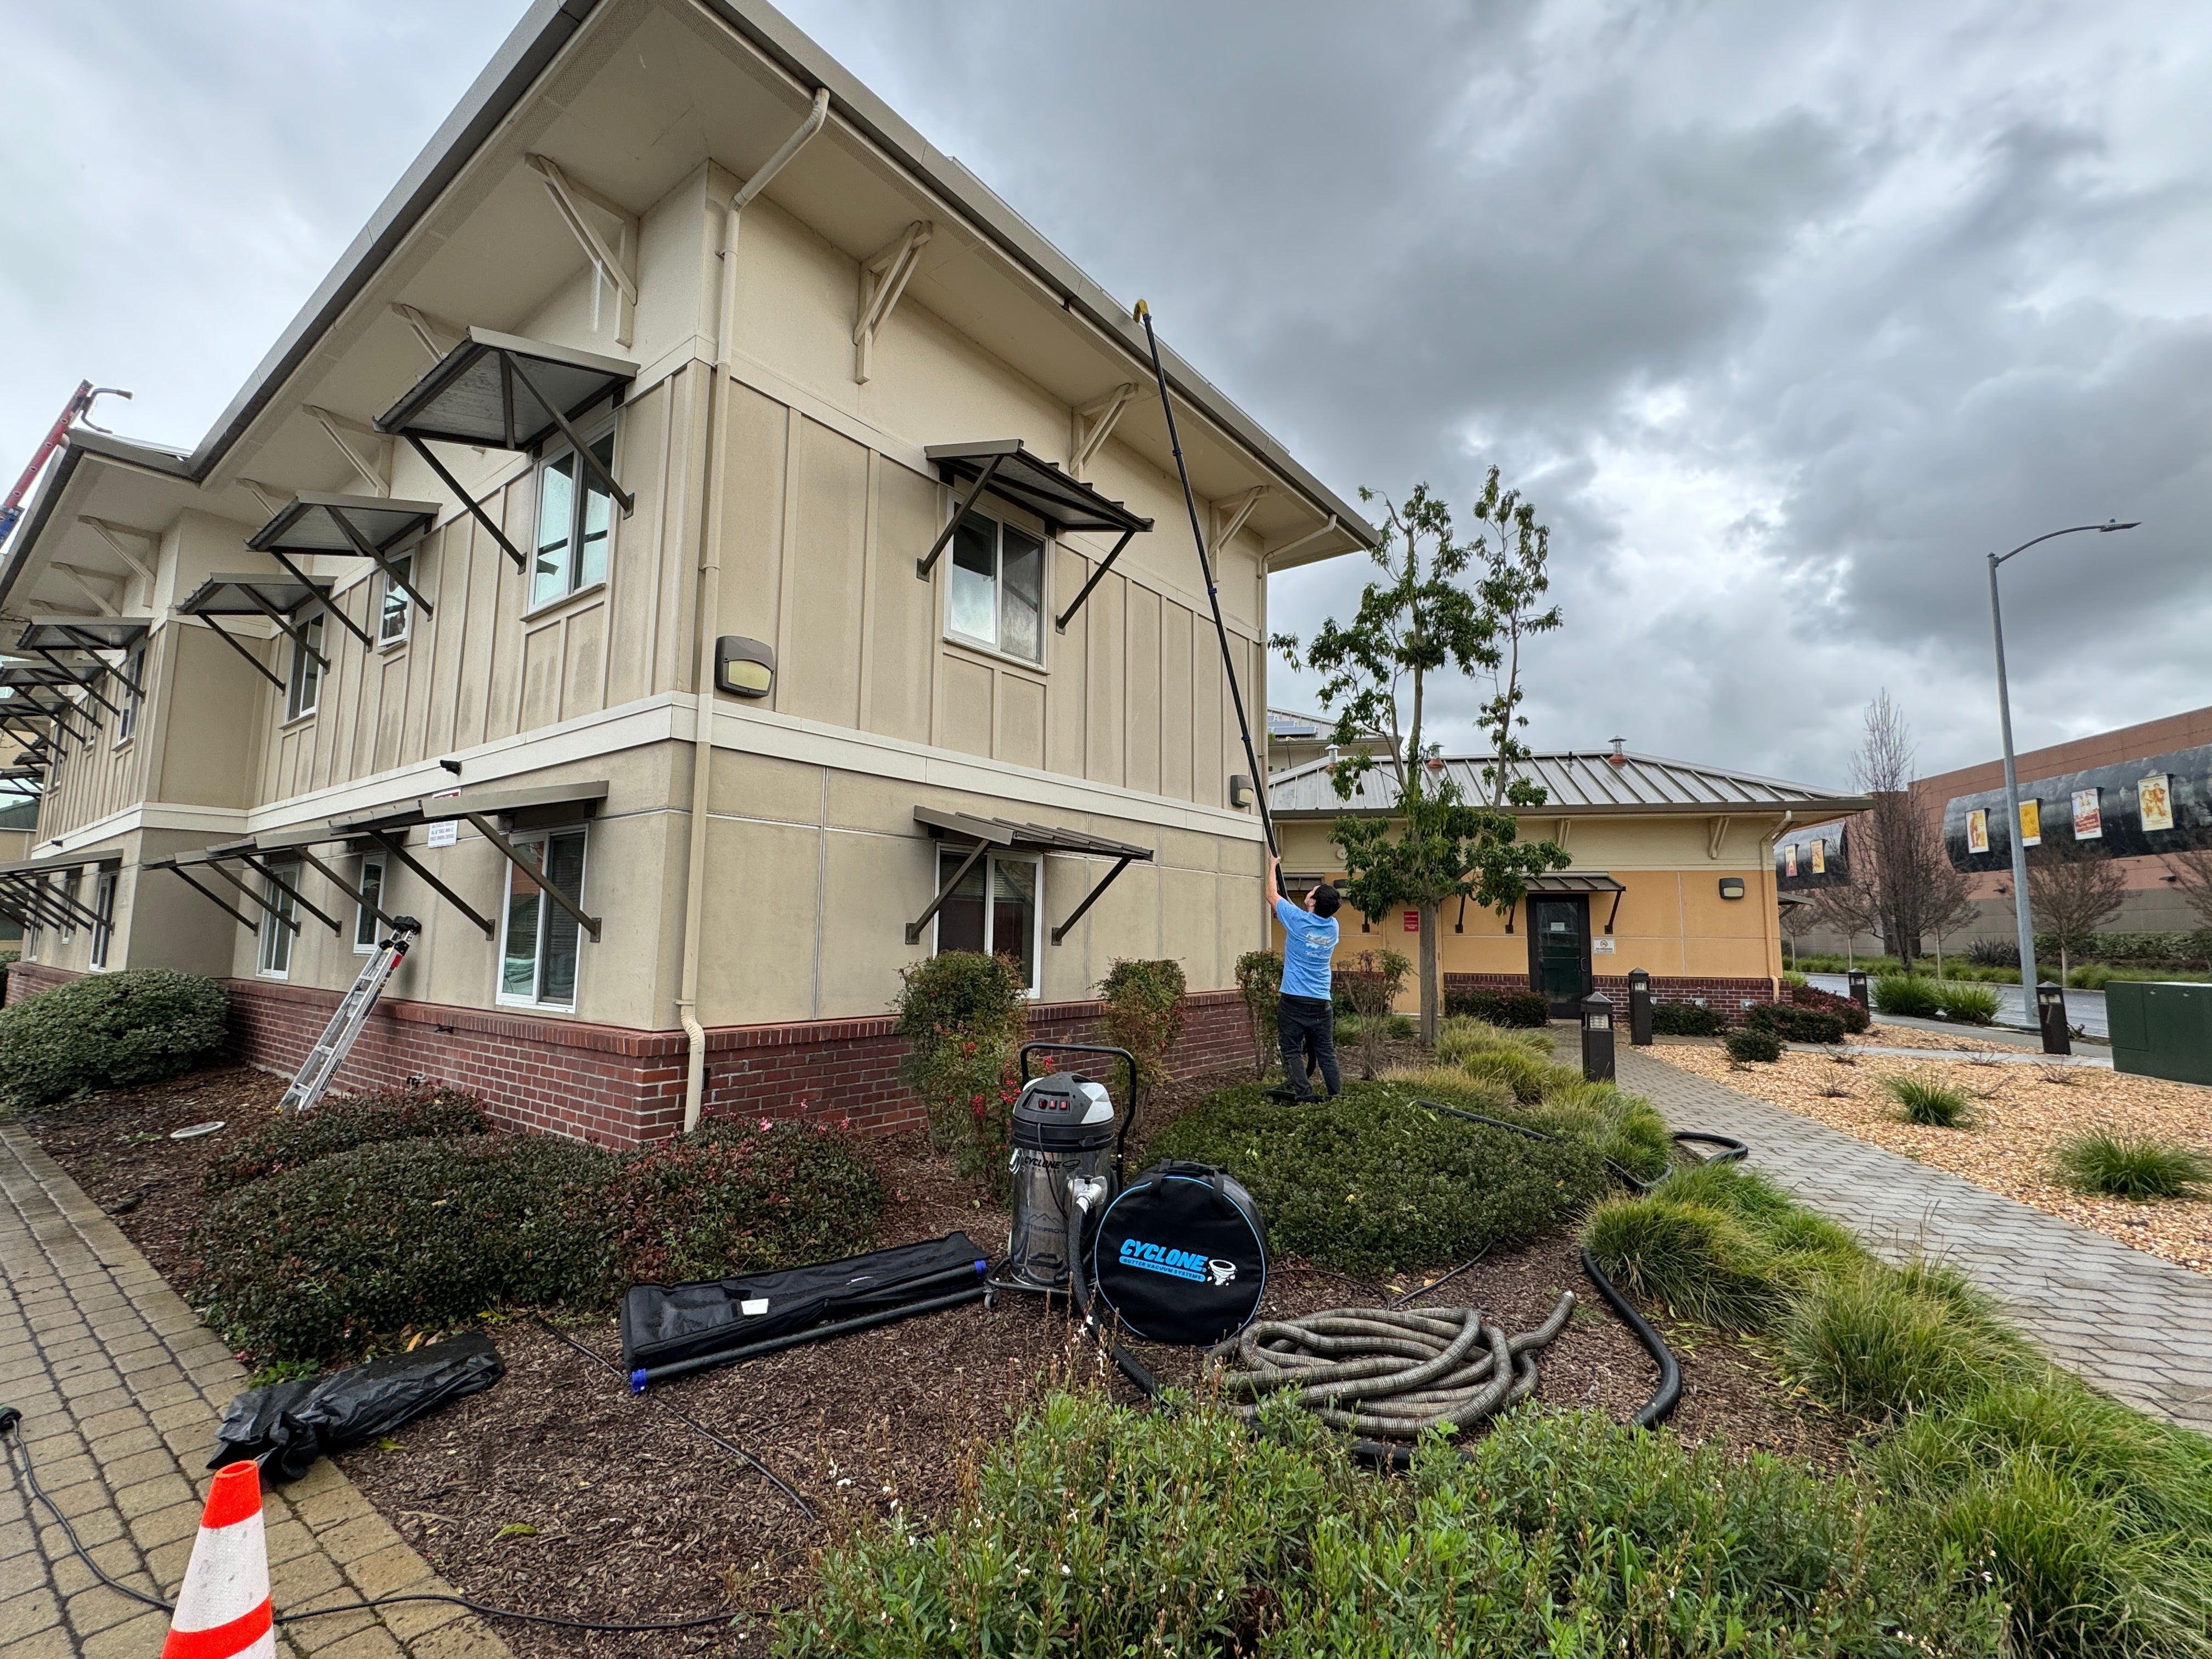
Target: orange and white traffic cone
{"type": "Point", "coordinates": [223, 1610]}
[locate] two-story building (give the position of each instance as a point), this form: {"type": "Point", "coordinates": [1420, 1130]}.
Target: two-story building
{"type": "Point", "coordinates": [699, 553]}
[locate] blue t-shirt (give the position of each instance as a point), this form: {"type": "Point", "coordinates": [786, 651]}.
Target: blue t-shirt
{"type": "Point", "coordinates": [1309, 941]}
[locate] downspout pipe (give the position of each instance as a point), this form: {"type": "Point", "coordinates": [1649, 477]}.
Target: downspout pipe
{"type": "Point", "coordinates": [710, 598]}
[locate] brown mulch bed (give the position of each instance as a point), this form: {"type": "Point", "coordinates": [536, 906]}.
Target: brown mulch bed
{"type": "Point", "coordinates": [557, 1491]}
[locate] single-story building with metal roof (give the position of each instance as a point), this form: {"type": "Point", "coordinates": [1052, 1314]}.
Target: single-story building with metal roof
{"type": "Point", "coordinates": [1673, 872]}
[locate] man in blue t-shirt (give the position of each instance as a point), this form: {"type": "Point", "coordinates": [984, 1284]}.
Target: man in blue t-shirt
{"type": "Point", "coordinates": [1305, 1014]}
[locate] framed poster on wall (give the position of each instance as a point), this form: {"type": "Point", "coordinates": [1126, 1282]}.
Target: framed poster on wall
{"type": "Point", "coordinates": [1978, 830]}
{"type": "Point", "coordinates": [2088, 815]}
{"type": "Point", "coordinates": [2031, 822]}
{"type": "Point", "coordinates": [1821, 855]}
{"type": "Point", "coordinates": [2154, 801]}
{"type": "Point", "coordinates": [1789, 859]}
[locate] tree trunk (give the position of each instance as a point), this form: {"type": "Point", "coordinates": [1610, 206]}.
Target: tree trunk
{"type": "Point", "coordinates": [1432, 989]}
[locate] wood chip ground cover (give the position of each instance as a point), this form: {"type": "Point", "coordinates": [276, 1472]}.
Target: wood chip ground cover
{"type": "Point", "coordinates": [2023, 1113]}
{"type": "Point", "coordinates": [557, 1491]}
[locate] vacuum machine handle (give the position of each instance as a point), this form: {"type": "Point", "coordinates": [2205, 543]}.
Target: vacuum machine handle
{"type": "Point", "coordinates": [1128, 1059]}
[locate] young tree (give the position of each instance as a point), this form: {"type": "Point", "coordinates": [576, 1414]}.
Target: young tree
{"type": "Point", "coordinates": [1797, 921]}
{"type": "Point", "coordinates": [2074, 888]}
{"type": "Point", "coordinates": [2192, 868]}
{"type": "Point", "coordinates": [1898, 854]}
{"type": "Point", "coordinates": [1514, 578]}
{"type": "Point", "coordinates": [1950, 903]}
{"type": "Point", "coordinates": [1848, 907]}
{"type": "Point", "coordinates": [1420, 621]}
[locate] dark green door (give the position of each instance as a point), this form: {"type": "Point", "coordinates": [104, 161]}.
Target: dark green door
{"type": "Point", "coordinates": [1558, 943]}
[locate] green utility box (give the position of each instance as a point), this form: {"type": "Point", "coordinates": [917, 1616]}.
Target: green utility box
{"type": "Point", "coordinates": [2161, 1030]}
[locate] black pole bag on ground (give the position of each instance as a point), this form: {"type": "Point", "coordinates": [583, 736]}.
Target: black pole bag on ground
{"type": "Point", "coordinates": [669, 1329]}
{"type": "Point", "coordinates": [1180, 1256]}
{"type": "Point", "coordinates": [285, 1426]}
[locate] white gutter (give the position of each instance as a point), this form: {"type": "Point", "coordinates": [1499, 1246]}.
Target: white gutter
{"type": "Point", "coordinates": [710, 600]}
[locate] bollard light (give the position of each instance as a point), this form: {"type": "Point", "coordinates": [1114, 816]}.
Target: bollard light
{"type": "Point", "coordinates": [1597, 1038]}
{"type": "Point", "coordinates": [2050, 1016]}
{"type": "Point", "coordinates": [1639, 1008]}
{"type": "Point", "coordinates": [1859, 982]}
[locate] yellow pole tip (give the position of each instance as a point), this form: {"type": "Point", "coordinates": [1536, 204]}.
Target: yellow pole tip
{"type": "Point", "coordinates": [1143, 310]}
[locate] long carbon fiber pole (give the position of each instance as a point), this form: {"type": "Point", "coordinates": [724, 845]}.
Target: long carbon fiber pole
{"type": "Point", "coordinates": [1213, 593]}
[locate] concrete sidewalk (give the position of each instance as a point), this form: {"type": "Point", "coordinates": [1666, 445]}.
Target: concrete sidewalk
{"type": "Point", "coordinates": [2135, 1326]}
{"type": "Point", "coordinates": [121, 1387]}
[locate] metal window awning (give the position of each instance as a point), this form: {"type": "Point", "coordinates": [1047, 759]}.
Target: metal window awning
{"type": "Point", "coordinates": [1564, 882]}
{"type": "Point", "coordinates": [1002, 467]}
{"type": "Point", "coordinates": [986, 833]}
{"type": "Point", "coordinates": [41, 702]}
{"type": "Point", "coordinates": [84, 633]}
{"type": "Point", "coordinates": [35, 899]}
{"type": "Point", "coordinates": [388, 826]}
{"type": "Point", "coordinates": [182, 866]}
{"type": "Point", "coordinates": [501, 391]}
{"type": "Point", "coordinates": [373, 527]}
{"type": "Point", "coordinates": [278, 598]}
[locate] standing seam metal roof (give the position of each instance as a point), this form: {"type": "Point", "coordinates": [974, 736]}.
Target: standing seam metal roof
{"type": "Point", "coordinates": [1576, 781]}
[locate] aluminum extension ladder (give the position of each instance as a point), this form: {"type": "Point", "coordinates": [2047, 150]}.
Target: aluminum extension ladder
{"type": "Point", "coordinates": [351, 1016]}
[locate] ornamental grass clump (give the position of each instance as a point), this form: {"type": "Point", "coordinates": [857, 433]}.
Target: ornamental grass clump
{"type": "Point", "coordinates": [109, 1032]}
{"type": "Point", "coordinates": [1373, 1182]}
{"type": "Point", "coordinates": [1970, 1005]}
{"type": "Point", "coordinates": [2136, 1167]}
{"type": "Point", "coordinates": [339, 1125]}
{"type": "Point", "coordinates": [1908, 995]}
{"type": "Point", "coordinates": [1929, 1101]}
{"type": "Point", "coordinates": [1879, 1342]}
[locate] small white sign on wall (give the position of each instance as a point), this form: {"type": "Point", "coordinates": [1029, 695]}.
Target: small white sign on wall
{"type": "Point", "coordinates": [1602, 946]}
{"type": "Point", "coordinates": [444, 833]}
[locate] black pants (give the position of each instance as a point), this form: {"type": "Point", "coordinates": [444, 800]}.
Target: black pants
{"type": "Point", "coordinates": [1301, 1020]}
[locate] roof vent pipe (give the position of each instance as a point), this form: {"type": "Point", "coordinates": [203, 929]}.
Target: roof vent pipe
{"type": "Point", "coordinates": [1620, 755]}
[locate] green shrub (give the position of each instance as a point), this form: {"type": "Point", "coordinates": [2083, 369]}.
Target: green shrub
{"type": "Point", "coordinates": [109, 1032]}
{"type": "Point", "coordinates": [1526, 1009]}
{"type": "Point", "coordinates": [1878, 1342]}
{"type": "Point", "coordinates": [1793, 1023]}
{"type": "Point", "coordinates": [1145, 1012]}
{"type": "Point", "coordinates": [1972, 1005]}
{"type": "Point", "coordinates": [1371, 1182]}
{"type": "Point", "coordinates": [339, 1125]}
{"type": "Point", "coordinates": [2131, 1166]}
{"type": "Point", "coordinates": [965, 1016]}
{"type": "Point", "coordinates": [1373, 986]}
{"type": "Point", "coordinates": [1686, 1019]}
{"type": "Point", "coordinates": [1259, 979]}
{"type": "Point", "coordinates": [1746, 1047]}
{"type": "Point", "coordinates": [1929, 1102]}
{"type": "Point", "coordinates": [1908, 995]}
{"type": "Point", "coordinates": [1096, 1531]}
{"type": "Point", "coordinates": [1794, 981]}
{"type": "Point", "coordinates": [741, 1196]}
{"type": "Point", "coordinates": [323, 1260]}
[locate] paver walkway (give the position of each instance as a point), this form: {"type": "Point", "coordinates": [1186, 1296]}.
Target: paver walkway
{"type": "Point", "coordinates": [2138, 1328]}
{"type": "Point", "coordinates": [120, 1389]}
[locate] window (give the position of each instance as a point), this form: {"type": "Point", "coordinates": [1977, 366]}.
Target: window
{"type": "Point", "coordinates": [306, 682]}
{"type": "Point", "coordinates": [126, 723]}
{"type": "Point", "coordinates": [997, 597]}
{"type": "Point", "coordinates": [538, 949]}
{"type": "Point", "coordinates": [103, 904]}
{"type": "Point", "coordinates": [372, 887]}
{"type": "Point", "coordinates": [995, 908]}
{"type": "Point", "coordinates": [398, 610]}
{"type": "Point", "coordinates": [70, 885]}
{"type": "Point", "coordinates": [571, 526]}
{"type": "Point", "coordinates": [275, 937]}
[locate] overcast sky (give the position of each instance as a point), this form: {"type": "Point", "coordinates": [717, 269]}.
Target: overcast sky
{"type": "Point", "coordinates": [1783, 315]}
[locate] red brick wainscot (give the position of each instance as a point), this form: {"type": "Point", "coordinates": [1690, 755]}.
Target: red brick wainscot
{"type": "Point", "coordinates": [617, 1086]}
{"type": "Point", "coordinates": [1730, 996]}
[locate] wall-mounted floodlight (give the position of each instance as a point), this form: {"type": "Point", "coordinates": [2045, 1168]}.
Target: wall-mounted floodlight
{"type": "Point", "coordinates": [1731, 887]}
{"type": "Point", "coordinates": [744, 667]}
{"type": "Point", "coordinates": [1240, 790]}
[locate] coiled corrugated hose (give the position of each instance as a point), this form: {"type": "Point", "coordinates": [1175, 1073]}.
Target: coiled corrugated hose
{"type": "Point", "coordinates": [1384, 1373]}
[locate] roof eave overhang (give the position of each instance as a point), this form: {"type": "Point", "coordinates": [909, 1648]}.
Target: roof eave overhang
{"type": "Point", "coordinates": [1805, 812]}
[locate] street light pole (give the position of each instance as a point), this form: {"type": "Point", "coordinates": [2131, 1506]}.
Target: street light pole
{"type": "Point", "coordinates": [2023, 918]}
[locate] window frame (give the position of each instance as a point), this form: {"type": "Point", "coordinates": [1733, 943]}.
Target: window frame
{"type": "Point", "coordinates": [380, 863]}
{"type": "Point", "coordinates": [126, 722]}
{"type": "Point", "coordinates": [988, 864]}
{"type": "Point", "coordinates": [392, 601]}
{"type": "Point", "coordinates": [303, 684]}
{"type": "Point", "coordinates": [72, 886]}
{"type": "Point", "coordinates": [1000, 524]}
{"type": "Point", "coordinates": [103, 904]}
{"type": "Point", "coordinates": [600, 429]}
{"type": "Point", "coordinates": [541, 839]}
{"type": "Point", "coordinates": [276, 940]}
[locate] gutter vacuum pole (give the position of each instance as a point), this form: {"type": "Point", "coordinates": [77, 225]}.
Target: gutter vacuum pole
{"type": "Point", "coordinates": [1213, 593]}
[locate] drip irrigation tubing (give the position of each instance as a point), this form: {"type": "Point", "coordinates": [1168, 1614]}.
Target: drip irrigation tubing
{"type": "Point", "coordinates": [26, 1476]}
{"type": "Point", "coordinates": [1213, 592]}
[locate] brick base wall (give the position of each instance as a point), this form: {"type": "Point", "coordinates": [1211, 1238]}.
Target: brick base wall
{"type": "Point", "coordinates": [1730, 996]}
{"type": "Point", "coordinates": [617, 1086]}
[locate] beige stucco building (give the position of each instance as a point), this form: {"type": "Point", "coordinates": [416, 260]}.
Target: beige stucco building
{"type": "Point", "coordinates": [672, 363]}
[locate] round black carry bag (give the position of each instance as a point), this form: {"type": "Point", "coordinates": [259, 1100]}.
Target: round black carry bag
{"type": "Point", "coordinates": [1180, 1256]}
